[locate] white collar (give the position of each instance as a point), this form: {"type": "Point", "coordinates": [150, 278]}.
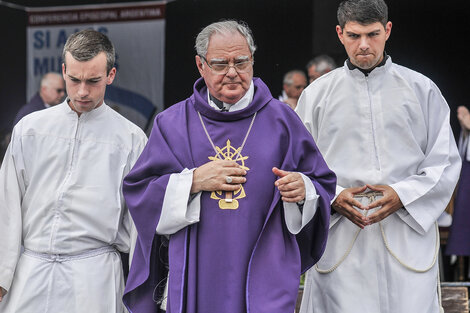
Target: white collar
{"type": "Point", "coordinates": [240, 104]}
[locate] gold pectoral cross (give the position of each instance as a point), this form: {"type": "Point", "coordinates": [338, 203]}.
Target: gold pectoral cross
{"type": "Point", "coordinates": [228, 196]}
{"type": "Point", "coordinates": [229, 153]}
{"type": "Point", "coordinates": [230, 201]}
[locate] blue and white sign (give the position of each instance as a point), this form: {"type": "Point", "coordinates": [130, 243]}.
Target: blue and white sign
{"type": "Point", "coordinates": [137, 31]}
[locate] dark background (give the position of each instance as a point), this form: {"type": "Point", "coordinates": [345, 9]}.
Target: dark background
{"type": "Point", "coordinates": [427, 36]}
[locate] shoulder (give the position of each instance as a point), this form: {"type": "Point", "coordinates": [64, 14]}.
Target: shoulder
{"type": "Point", "coordinates": [321, 90]}
{"type": "Point", "coordinates": [30, 107]}
{"type": "Point", "coordinates": [35, 104]}
{"type": "Point", "coordinates": [325, 83]}
{"type": "Point", "coordinates": [281, 114]}
{"type": "Point", "coordinates": [121, 121]}
{"type": "Point", "coordinates": [174, 115]}
{"type": "Point", "coordinates": [23, 111]}
{"type": "Point", "coordinates": [174, 110]}
{"type": "Point", "coordinates": [39, 117]}
{"type": "Point", "coordinates": [412, 76]}
{"type": "Point", "coordinates": [39, 122]}
{"type": "Point", "coordinates": [278, 107]}
{"type": "Point", "coordinates": [123, 126]}
{"type": "Point", "coordinates": [420, 83]}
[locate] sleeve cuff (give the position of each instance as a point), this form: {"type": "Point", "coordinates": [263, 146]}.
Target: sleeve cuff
{"type": "Point", "coordinates": [296, 219]}
{"type": "Point", "coordinates": [179, 211]}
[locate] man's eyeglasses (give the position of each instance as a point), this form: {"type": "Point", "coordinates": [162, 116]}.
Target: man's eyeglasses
{"type": "Point", "coordinates": [223, 68]}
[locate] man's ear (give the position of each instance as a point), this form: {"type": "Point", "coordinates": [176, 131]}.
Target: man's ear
{"type": "Point", "coordinates": [339, 31]}
{"type": "Point", "coordinates": [388, 30]}
{"type": "Point", "coordinates": [200, 65]}
{"type": "Point", "coordinates": [111, 76]}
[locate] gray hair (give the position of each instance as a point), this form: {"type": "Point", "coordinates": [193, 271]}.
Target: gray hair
{"type": "Point", "coordinates": [48, 77]}
{"type": "Point", "coordinates": [364, 12]}
{"type": "Point", "coordinates": [288, 76]}
{"type": "Point", "coordinates": [323, 64]}
{"type": "Point", "coordinates": [223, 27]}
{"type": "Point", "coordinates": [86, 44]}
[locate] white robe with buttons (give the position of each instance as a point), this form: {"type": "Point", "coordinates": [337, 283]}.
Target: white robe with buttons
{"type": "Point", "coordinates": [390, 127]}
{"type": "Point", "coordinates": [60, 194]}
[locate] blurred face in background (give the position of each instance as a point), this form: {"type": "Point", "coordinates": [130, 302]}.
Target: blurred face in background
{"type": "Point", "coordinates": [52, 90]}
{"type": "Point", "coordinates": [299, 82]}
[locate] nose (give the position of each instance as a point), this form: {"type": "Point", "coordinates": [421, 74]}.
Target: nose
{"type": "Point", "coordinates": [364, 43]}
{"type": "Point", "coordinates": [82, 90]}
{"type": "Point", "coordinates": [232, 72]}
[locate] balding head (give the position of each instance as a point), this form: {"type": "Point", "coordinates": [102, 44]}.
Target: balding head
{"type": "Point", "coordinates": [294, 83]}
{"type": "Point", "coordinates": [52, 88]}
{"type": "Point", "coordinates": [320, 65]}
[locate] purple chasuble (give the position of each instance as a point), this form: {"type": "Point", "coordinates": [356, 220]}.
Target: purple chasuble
{"type": "Point", "coordinates": [236, 259]}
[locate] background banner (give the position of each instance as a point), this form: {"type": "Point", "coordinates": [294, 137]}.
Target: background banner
{"type": "Point", "coordinates": [137, 31]}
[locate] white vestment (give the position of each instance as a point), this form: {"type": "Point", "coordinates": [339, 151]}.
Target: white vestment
{"type": "Point", "coordinates": [61, 198]}
{"type": "Point", "coordinates": [390, 127]}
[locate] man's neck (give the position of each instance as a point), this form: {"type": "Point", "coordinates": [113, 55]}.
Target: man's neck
{"type": "Point", "coordinates": [240, 104]}
{"type": "Point", "coordinates": [366, 72]}
{"type": "Point", "coordinates": [219, 103]}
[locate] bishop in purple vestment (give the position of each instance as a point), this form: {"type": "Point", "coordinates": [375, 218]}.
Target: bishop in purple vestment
{"type": "Point", "coordinates": [254, 188]}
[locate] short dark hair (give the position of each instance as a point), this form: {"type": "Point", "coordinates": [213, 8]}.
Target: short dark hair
{"type": "Point", "coordinates": [86, 44]}
{"type": "Point", "coordinates": [364, 12]}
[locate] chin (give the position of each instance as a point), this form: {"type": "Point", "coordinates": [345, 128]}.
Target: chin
{"type": "Point", "coordinates": [364, 66]}
{"type": "Point", "coordinates": [232, 99]}
{"type": "Point", "coordinates": [84, 109]}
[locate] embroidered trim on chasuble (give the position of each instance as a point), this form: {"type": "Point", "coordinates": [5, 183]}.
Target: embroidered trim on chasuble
{"type": "Point", "coordinates": [229, 153]}
{"type": "Point", "coordinates": [230, 201]}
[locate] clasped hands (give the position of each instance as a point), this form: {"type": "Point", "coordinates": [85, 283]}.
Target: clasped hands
{"type": "Point", "coordinates": [226, 175]}
{"type": "Point", "coordinates": [345, 202]}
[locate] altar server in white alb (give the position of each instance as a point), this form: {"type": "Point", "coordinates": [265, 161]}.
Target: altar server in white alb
{"type": "Point", "coordinates": [60, 194]}
{"type": "Point", "coordinates": [384, 130]}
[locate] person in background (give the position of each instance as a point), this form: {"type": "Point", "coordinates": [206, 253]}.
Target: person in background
{"type": "Point", "coordinates": [458, 242]}
{"type": "Point", "coordinates": [294, 83]}
{"type": "Point", "coordinates": [51, 92]}
{"type": "Point", "coordinates": [318, 66]}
